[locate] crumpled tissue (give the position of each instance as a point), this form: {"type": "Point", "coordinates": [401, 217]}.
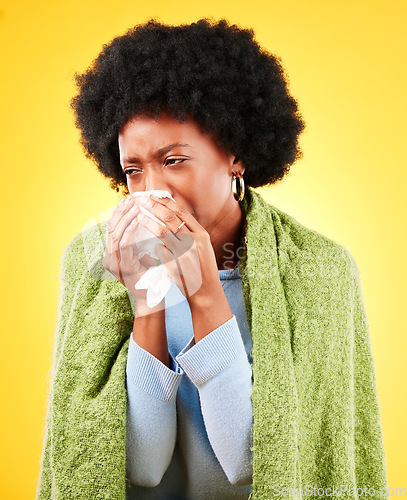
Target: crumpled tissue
{"type": "Point", "coordinates": [156, 280]}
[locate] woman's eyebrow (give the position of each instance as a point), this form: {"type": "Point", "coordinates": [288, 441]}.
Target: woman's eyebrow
{"type": "Point", "coordinates": [160, 152]}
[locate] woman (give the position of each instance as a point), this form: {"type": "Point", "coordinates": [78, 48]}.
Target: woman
{"type": "Point", "coordinates": [253, 377]}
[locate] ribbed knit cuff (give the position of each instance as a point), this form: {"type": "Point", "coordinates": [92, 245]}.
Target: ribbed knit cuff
{"type": "Point", "coordinates": [150, 374]}
{"type": "Point", "coordinates": [213, 353]}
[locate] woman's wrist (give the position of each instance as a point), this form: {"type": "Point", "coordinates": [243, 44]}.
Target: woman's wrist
{"type": "Point", "coordinates": [209, 310]}
{"type": "Point", "coordinates": [142, 308]}
{"type": "Point", "coordinates": [149, 331]}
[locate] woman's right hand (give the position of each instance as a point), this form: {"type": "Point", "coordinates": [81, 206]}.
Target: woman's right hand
{"type": "Point", "coordinates": [119, 257]}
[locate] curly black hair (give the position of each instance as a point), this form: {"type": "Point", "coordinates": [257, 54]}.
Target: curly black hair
{"type": "Point", "coordinates": [216, 74]}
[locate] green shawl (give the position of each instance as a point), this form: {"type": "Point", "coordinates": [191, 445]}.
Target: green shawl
{"type": "Point", "coordinates": [315, 408]}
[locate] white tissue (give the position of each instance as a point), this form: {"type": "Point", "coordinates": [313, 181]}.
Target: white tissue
{"type": "Point", "coordinates": [156, 280]}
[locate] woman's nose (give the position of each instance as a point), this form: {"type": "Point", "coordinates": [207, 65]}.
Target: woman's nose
{"type": "Point", "coordinates": [154, 180]}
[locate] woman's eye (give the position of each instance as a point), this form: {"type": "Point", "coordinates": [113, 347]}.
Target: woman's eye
{"type": "Point", "coordinates": [130, 170]}
{"type": "Point", "coordinates": [169, 161]}
{"type": "Point", "coordinates": [174, 160]}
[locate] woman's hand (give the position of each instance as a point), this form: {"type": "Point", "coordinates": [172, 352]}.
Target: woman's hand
{"type": "Point", "coordinates": [120, 255]}
{"type": "Point", "coordinates": [188, 254]}
{"type": "Point", "coordinates": [191, 261]}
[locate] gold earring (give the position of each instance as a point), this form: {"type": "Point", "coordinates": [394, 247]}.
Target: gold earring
{"type": "Point", "coordinates": [238, 196]}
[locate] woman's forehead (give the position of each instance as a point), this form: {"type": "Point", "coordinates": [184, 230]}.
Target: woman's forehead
{"type": "Point", "coordinates": [154, 129]}
{"type": "Point", "coordinates": [145, 136]}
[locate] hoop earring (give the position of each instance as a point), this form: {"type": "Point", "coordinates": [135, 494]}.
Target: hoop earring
{"type": "Point", "coordinates": [238, 196]}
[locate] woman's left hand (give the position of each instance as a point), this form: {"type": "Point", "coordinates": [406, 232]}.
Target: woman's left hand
{"type": "Point", "coordinates": [188, 254]}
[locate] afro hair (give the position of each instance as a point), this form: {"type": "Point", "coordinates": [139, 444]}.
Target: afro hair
{"type": "Point", "coordinates": [216, 74]}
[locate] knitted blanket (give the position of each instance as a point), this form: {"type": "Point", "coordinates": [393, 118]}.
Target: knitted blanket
{"type": "Point", "coordinates": [315, 408]}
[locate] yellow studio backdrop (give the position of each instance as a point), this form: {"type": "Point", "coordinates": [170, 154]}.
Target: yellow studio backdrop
{"type": "Point", "coordinates": [346, 63]}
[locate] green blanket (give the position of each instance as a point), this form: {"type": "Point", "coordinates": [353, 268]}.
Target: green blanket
{"type": "Point", "coordinates": [315, 407]}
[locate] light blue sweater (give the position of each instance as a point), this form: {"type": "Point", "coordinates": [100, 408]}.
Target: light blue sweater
{"type": "Point", "coordinates": [189, 426]}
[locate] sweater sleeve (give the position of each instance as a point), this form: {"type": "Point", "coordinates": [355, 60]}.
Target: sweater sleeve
{"type": "Point", "coordinates": [218, 365]}
{"type": "Point", "coordinates": [151, 415]}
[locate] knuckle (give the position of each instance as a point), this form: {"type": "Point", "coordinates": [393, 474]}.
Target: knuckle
{"type": "Point", "coordinates": [162, 231]}
{"type": "Point", "coordinates": [170, 217]}
{"type": "Point", "coordinates": [181, 210]}
{"type": "Point", "coordinates": [122, 205]}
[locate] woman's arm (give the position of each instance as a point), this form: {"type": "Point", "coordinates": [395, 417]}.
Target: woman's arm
{"type": "Point", "coordinates": [151, 388]}
{"type": "Point", "coordinates": [219, 368]}
{"type": "Point", "coordinates": [151, 416]}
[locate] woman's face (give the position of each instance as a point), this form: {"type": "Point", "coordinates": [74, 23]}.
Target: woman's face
{"type": "Point", "coordinates": [182, 159]}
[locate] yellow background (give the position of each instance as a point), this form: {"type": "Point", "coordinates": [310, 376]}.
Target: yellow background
{"type": "Point", "coordinates": [346, 62]}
